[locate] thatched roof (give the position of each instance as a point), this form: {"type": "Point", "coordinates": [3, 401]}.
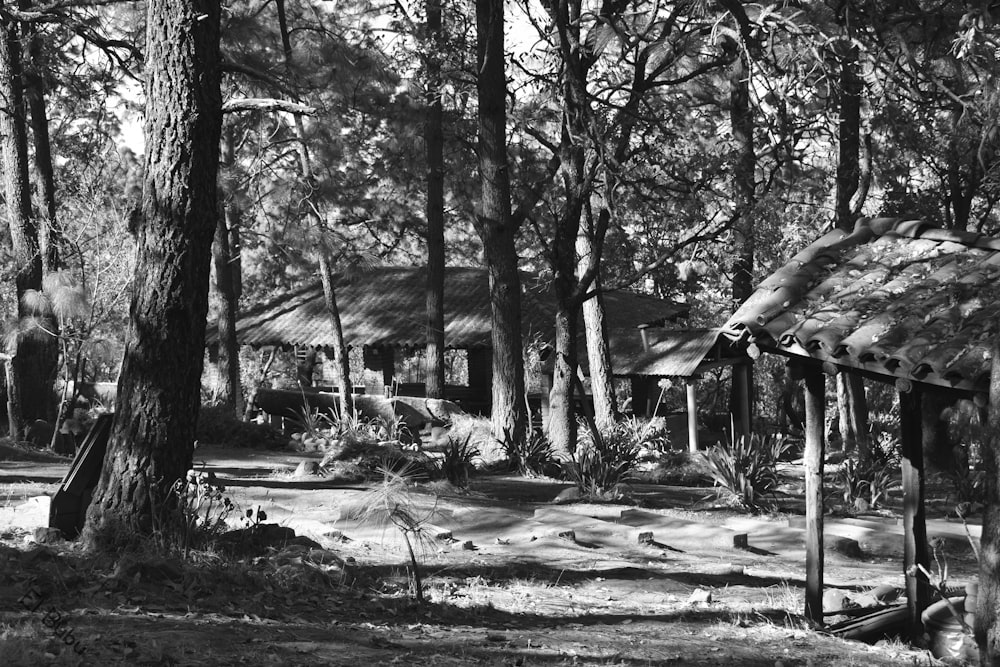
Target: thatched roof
{"type": "Point", "coordinates": [897, 298]}
{"type": "Point", "coordinates": [386, 306]}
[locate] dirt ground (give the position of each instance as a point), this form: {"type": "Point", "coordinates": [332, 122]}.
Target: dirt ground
{"type": "Point", "coordinates": [510, 578]}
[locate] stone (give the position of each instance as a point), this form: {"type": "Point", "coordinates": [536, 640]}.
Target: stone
{"type": "Point", "coordinates": [303, 541]}
{"type": "Point", "coordinates": [646, 537]}
{"type": "Point", "coordinates": [47, 535]}
{"type": "Point", "coordinates": [568, 495]}
{"type": "Point", "coordinates": [307, 468]}
{"type": "Point", "coordinates": [438, 533]}
{"type": "Point", "coordinates": [700, 596]}
{"type": "Point", "coordinates": [834, 600]}
{"type": "Point", "coordinates": [39, 433]}
{"type": "Point", "coordinates": [844, 545]}
{"type": "Point", "coordinates": [65, 444]}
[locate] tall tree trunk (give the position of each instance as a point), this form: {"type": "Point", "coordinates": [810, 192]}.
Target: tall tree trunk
{"type": "Point", "coordinates": [434, 140]}
{"type": "Point", "coordinates": [987, 623]}
{"type": "Point", "coordinates": [152, 440]}
{"type": "Point", "coordinates": [562, 429]}
{"type": "Point", "coordinates": [964, 174]}
{"type": "Point", "coordinates": [853, 415]}
{"type": "Point", "coordinates": [598, 348]}
{"type": "Point", "coordinates": [341, 358]}
{"type": "Point", "coordinates": [509, 421]}
{"type": "Point", "coordinates": [230, 391]}
{"type": "Point", "coordinates": [576, 61]}
{"type": "Point", "coordinates": [851, 400]}
{"type": "Point", "coordinates": [848, 135]}
{"type": "Point", "coordinates": [744, 196]}
{"type": "Point", "coordinates": [33, 368]}
{"type": "Point", "coordinates": [34, 92]}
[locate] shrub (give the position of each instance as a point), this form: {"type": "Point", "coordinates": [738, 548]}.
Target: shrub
{"type": "Point", "coordinates": [218, 426]}
{"type": "Point", "coordinates": [864, 487]}
{"type": "Point", "coordinates": [457, 462]}
{"type": "Point", "coordinates": [745, 469]}
{"type": "Point", "coordinates": [602, 461]}
{"type": "Point", "coordinates": [650, 434]}
{"type": "Point", "coordinates": [533, 457]}
{"type": "Point", "coordinates": [195, 515]}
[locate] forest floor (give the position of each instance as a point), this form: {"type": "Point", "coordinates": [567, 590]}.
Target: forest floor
{"type": "Point", "coordinates": [509, 578]}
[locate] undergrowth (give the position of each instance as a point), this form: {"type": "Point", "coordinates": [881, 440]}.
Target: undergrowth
{"type": "Point", "coordinates": [604, 460]}
{"type": "Point", "coordinates": [745, 469]}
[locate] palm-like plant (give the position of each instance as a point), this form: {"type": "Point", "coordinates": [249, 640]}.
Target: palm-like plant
{"type": "Point", "coordinates": [746, 468]}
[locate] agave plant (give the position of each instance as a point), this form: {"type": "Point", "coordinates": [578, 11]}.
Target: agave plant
{"type": "Point", "coordinates": [745, 469]}
{"type": "Point", "coordinates": [603, 461]}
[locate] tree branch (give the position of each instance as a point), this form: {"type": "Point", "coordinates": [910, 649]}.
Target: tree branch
{"type": "Point", "coordinates": [267, 104]}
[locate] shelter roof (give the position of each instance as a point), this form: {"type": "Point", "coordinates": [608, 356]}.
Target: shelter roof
{"type": "Point", "coordinates": [898, 298]}
{"type": "Point", "coordinates": [683, 352]}
{"type": "Point", "coordinates": [386, 306]}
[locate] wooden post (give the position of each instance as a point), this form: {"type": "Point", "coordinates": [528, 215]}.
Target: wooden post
{"type": "Point", "coordinates": [815, 396]}
{"type": "Point", "coordinates": [640, 395]}
{"type": "Point", "coordinates": [692, 404]}
{"type": "Point", "coordinates": [914, 526]}
{"type": "Point", "coordinates": [742, 375]}
{"type": "Point", "coordinates": [388, 355]}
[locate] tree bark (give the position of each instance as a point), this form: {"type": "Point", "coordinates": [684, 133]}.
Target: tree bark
{"type": "Point", "coordinates": [35, 362]}
{"type": "Point", "coordinates": [229, 392]}
{"type": "Point", "coordinates": [159, 391]}
{"type": "Point", "coordinates": [849, 136]}
{"type": "Point", "coordinates": [576, 61]}
{"type": "Point", "coordinates": [509, 420]}
{"type": "Point", "coordinates": [342, 362]}
{"type": "Point", "coordinates": [851, 400]}
{"type": "Point", "coordinates": [744, 199]}
{"type": "Point", "coordinates": [434, 142]}
{"type": "Point", "coordinates": [562, 413]}
{"type": "Point", "coordinates": [341, 358]}
{"type": "Point", "coordinates": [987, 623]}
{"type": "Point", "coordinates": [229, 388]}
{"type": "Point", "coordinates": [34, 93]}
{"type": "Point", "coordinates": [602, 385]}
{"type": "Point", "coordinates": [853, 415]}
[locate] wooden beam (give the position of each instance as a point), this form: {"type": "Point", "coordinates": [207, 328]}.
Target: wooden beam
{"type": "Point", "coordinates": [914, 525]}
{"type": "Point", "coordinates": [692, 414]}
{"type": "Point", "coordinates": [963, 389]}
{"type": "Point", "coordinates": [815, 399]}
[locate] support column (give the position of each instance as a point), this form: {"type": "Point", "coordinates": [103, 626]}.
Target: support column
{"type": "Point", "coordinates": [741, 373]}
{"type": "Point", "coordinates": [388, 355]}
{"type": "Point", "coordinates": [640, 395]}
{"type": "Point", "coordinates": [815, 396]}
{"type": "Point", "coordinates": [914, 524]}
{"type": "Point", "coordinates": [692, 407]}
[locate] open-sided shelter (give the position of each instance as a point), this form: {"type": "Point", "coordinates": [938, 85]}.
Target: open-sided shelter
{"type": "Point", "coordinates": [898, 301]}
{"type": "Point", "coordinates": [383, 310]}
{"type": "Point", "coordinates": [684, 354]}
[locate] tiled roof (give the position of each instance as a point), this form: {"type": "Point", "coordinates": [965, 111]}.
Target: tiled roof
{"type": "Point", "coordinates": [386, 306]}
{"type": "Point", "coordinates": [895, 297]}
